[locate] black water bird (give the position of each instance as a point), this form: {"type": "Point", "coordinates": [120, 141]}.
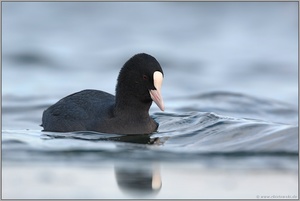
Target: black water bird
{"type": "Point", "coordinates": [139, 83]}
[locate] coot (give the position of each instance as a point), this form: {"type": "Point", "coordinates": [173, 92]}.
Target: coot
{"type": "Point", "coordinates": [139, 83]}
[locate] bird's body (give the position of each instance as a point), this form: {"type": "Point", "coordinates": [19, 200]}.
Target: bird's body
{"type": "Point", "coordinates": [94, 110]}
{"type": "Point", "coordinates": [125, 113]}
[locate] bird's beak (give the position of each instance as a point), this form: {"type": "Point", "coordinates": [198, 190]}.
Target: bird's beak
{"type": "Point", "coordinates": [156, 94]}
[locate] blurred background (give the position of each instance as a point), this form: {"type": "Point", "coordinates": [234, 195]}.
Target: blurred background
{"type": "Point", "coordinates": [56, 48]}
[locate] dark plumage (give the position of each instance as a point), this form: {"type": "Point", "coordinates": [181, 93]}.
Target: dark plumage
{"type": "Point", "coordinates": [138, 84]}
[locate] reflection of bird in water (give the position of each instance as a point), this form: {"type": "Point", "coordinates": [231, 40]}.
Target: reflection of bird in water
{"type": "Point", "coordinates": [139, 180]}
{"type": "Point", "coordinates": [142, 179]}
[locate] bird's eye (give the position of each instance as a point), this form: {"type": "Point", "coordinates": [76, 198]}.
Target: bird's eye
{"type": "Point", "coordinates": [145, 77]}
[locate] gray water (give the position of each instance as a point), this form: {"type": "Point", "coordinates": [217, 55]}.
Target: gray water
{"type": "Point", "coordinates": [230, 128]}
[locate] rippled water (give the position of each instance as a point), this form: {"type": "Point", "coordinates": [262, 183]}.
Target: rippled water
{"type": "Point", "coordinates": [231, 122]}
{"type": "Point", "coordinates": [191, 133]}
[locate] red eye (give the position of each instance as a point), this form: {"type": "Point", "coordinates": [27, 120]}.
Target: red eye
{"type": "Point", "coordinates": [145, 77]}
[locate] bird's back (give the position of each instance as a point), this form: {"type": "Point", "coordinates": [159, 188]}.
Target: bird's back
{"type": "Point", "coordinates": [78, 111]}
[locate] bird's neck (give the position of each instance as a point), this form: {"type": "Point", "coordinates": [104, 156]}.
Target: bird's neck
{"type": "Point", "coordinates": [130, 105]}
